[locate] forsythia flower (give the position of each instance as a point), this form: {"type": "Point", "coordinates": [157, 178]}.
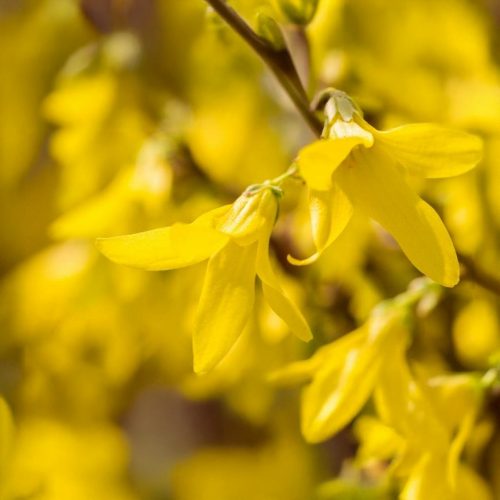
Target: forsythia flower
{"type": "Point", "coordinates": [356, 165]}
{"type": "Point", "coordinates": [422, 427]}
{"type": "Point", "coordinates": [235, 239]}
{"type": "Point", "coordinates": [345, 372]}
{"type": "Point", "coordinates": [433, 420]}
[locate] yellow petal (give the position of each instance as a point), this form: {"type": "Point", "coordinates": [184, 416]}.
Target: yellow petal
{"type": "Point", "coordinates": [319, 160]}
{"type": "Point", "coordinates": [430, 150]}
{"type": "Point", "coordinates": [471, 485]}
{"type": "Point", "coordinates": [392, 392]}
{"type": "Point", "coordinates": [428, 481]}
{"type": "Point", "coordinates": [275, 295]}
{"type": "Point", "coordinates": [335, 397]}
{"type": "Point", "coordinates": [375, 185]}
{"type": "Point", "coordinates": [225, 305]}
{"type": "Point", "coordinates": [377, 440]}
{"type": "Point", "coordinates": [458, 444]}
{"type": "Point", "coordinates": [402, 404]}
{"type": "Point", "coordinates": [330, 212]}
{"type": "Point", "coordinates": [248, 216]}
{"type": "Point", "coordinates": [333, 354]}
{"type": "Point", "coordinates": [355, 128]}
{"type": "Point", "coordinates": [338, 392]}
{"type": "Point", "coordinates": [169, 247]}
{"type": "Point", "coordinates": [98, 214]}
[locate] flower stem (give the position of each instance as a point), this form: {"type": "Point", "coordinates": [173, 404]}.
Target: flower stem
{"type": "Point", "coordinates": [279, 62]}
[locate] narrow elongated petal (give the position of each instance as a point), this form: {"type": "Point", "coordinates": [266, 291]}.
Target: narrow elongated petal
{"type": "Point", "coordinates": [98, 214]}
{"type": "Point", "coordinates": [430, 150]}
{"type": "Point", "coordinates": [392, 393]}
{"type": "Point", "coordinates": [376, 439]}
{"type": "Point", "coordinates": [169, 247]}
{"type": "Point", "coordinates": [225, 305]}
{"type": "Point", "coordinates": [275, 295]}
{"type": "Point", "coordinates": [428, 480]}
{"type": "Point", "coordinates": [335, 397]}
{"type": "Point", "coordinates": [471, 485]}
{"type": "Point", "coordinates": [458, 443]}
{"type": "Point", "coordinates": [319, 160]}
{"type": "Point", "coordinates": [402, 404]}
{"type": "Point", "coordinates": [334, 354]}
{"type": "Point", "coordinates": [339, 391]}
{"type": "Point", "coordinates": [330, 212]}
{"type": "Point", "coordinates": [375, 185]}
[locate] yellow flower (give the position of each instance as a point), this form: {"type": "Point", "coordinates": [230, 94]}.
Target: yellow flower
{"type": "Point", "coordinates": [345, 372]}
{"type": "Point", "coordinates": [434, 419]}
{"type": "Point", "coordinates": [235, 239]}
{"type": "Point", "coordinates": [357, 165]}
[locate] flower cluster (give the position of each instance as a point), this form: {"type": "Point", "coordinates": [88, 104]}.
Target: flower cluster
{"type": "Point", "coordinates": [421, 424]}
{"type": "Point", "coordinates": [222, 277]}
{"type": "Point", "coordinates": [353, 165]}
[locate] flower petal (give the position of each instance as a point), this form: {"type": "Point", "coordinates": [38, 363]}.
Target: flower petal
{"type": "Point", "coordinates": [169, 247]}
{"type": "Point", "coordinates": [375, 185]}
{"type": "Point", "coordinates": [333, 354]}
{"type": "Point", "coordinates": [428, 480]}
{"type": "Point", "coordinates": [336, 396]}
{"type": "Point", "coordinates": [248, 216]}
{"type": "Point", "coordinates": [276, 297]}
{"type": "Point", "coordinates": [330, 212]}
{"type": "Point", "coordinates": [457, 445]}
{"type": "Point", "coordinates": [377, 440]}
{"type": "Point", "coordinates": [226, 303]}
{"type": "Point", "coordinates": [430, 150]}
{"type": "Point", "coordinates": [319, 160]}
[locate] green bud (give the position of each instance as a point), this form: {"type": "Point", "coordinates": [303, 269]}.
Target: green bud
{"type": "Point", "coordinates": [298, 11]}
{"type": "Point", "coordinates": [269, 30]}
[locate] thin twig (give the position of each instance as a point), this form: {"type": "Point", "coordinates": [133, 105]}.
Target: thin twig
{"type": "Point", "coordinates": [472, 272]}
{"type": "Point", "coordinates": [281, 64]}
{"type": "Point", "coordinates": [279, 61]}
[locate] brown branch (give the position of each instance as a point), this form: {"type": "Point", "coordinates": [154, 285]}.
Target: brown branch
{"type": "Point", "coordinates": [472, 272]}
{"type": "Point", "coordinates": [279, 62]}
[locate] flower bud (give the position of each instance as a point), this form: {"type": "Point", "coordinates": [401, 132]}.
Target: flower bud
{"type": "Point", "coordinates": [270, 31]}
{"type": "Point", "coordinates": [298, 11]}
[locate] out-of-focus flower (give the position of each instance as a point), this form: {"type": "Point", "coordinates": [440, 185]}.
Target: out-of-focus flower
{"type": "Point", "coordinates": [281, 470]}
{"type": "Point", "coordinates": [101, 124]}
{"type": "Point", "coordinates": [476, 334]}
{"type": "Point", "coordinates": [357, 165]}
{"type": "Point", "coordinates": [423, 424]}
{"type": "Point", "coordinates": [345, 372]}
{"type": "Point", "coordinates": [146, 184]}
{"type": "Point", "coordinates": [53, 460]}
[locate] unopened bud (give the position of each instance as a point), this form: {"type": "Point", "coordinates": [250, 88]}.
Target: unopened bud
{"type": "Point", "coordinates": [298, 11]}
{"type": "Point", "coordinates": [269, 30]}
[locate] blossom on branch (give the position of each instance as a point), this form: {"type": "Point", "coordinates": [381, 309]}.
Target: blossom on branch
{"type": "Point", "coordinates": [356, 166]}
{"type": "Point", "coordinates": [235, 240]}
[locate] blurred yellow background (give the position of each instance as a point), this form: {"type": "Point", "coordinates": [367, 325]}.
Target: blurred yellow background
{"type": "Point", "coordinates": [118, 116]}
